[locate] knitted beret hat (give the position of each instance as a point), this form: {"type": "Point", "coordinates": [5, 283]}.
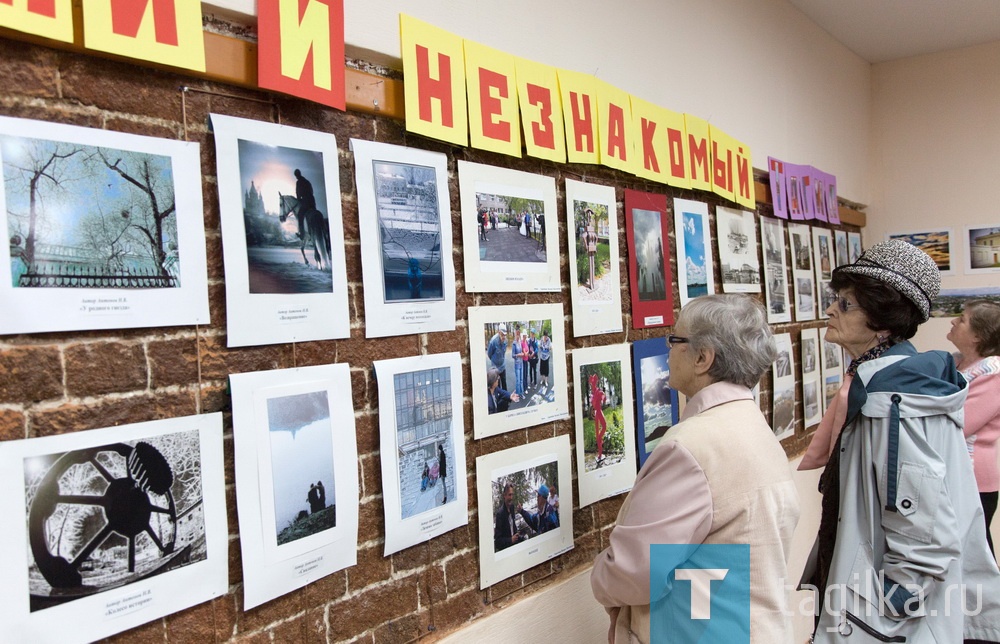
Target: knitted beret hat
{"type": "Point", "coordinates": [902, 266]}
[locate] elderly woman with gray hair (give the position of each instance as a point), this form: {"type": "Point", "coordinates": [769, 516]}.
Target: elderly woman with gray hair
{"type": "Point", "coordinates": [717, 477]}
{"type": "Point", "coordinates": [901, 544]}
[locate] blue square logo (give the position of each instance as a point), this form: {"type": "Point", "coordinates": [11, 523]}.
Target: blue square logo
{"type": "Point", "coordinates": [699, 593]}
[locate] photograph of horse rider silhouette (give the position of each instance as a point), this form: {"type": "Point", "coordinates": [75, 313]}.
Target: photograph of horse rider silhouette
{"type": "Point", "coordinates": [285, 218]}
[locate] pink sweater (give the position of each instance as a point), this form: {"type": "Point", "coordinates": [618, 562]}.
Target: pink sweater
{"type": "Point", "coordinates": [982, 420]}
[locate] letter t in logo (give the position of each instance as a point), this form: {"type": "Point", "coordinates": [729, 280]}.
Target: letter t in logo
{"type": "Point", "coordinates": [701, 588]}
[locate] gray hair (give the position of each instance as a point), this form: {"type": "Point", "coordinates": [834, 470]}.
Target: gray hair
{"type": "Point", "coordinates": [735, 326]}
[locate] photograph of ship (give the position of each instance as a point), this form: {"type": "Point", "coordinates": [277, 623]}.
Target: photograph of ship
{"type": "Point", "coordinates": [409, 221]}
{"type": "Point", "coordinates": [83, 216]}
{"type": "Point", "coordinates": [285, 217]}
{"type": "Point", "coordinates": [104, 517]}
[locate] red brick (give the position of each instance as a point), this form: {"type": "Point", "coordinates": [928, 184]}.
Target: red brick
{"type": "Point", "coordinates": [123, 87]}
{"type": "Point", "coordinates": [400, 631]}
{"type": "Point", "coordinates": [26, 70]}
{"type": "Point", "coordinates": [321, 352]}
{"type": "Point", "coordinates": [218, 362]}
{"type": "Point", "coordinates": [359, 352]}
{"type": "Point", "coordinates": [260, 617]}
{"type": "Point", "coordinates": [323, 591]}
{"type": "Point", "coordinates": [173, 361]}
{"type": "Point", "coordinates": [457, 610]}
{"type": "Point", "coordinates": [99, 368]}
{"type": "Point", "coordinates": [195, 625]}
{"type": "Point", "coordinates": [72, 417]}
{"type": "Point", "coordinates": [12, 425]}
{"type": "Point", "coordinates": [372, 567]}
{"type": "Point", "coordinates": [371, 520]}
{"type": "Point", "coordinates": [30, 374]}
{"type": "Point", "coordinates": [292, 630]}
{"type": "Point", "coordinates": [366, 427]}
{"type": "Point", "coordinates": [213, 255]}
{"type": "Point", "coordinates": [314, 629]}
{"type": "Point", "coordinates": [224, 610]}
{"type": "Point", "coordinates": [462, 571]}
{"type": "Point", "coordinates": [373, 607]}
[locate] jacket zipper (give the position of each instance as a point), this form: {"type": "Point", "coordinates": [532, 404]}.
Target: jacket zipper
{"type": "Point", "coordinates": [871, 631]}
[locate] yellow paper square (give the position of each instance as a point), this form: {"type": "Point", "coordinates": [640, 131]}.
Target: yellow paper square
{"type": "Point", "coordinates": [660, 144]}
{"type": "Point", "coordinates": [615, 128]}
{"type": "Point", "coordinates": [144, 34]}
{"type": "Point", "coordinates": [59, 26]}
{"type": "Point", "coordinates": [699, 152]}
{"type": "Point", "coordinates": [492, 90]}
{"type": "Point", "coordinates": [579, 98]}
{"type": "Point", "coordinates": [723, 154]}
{"type": "Point", "coordinates": [541, 110]}
{"type": "Point", "coordinates": [434, 81]}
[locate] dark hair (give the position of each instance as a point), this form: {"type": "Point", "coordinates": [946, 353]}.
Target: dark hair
{"type": "Point", "coordinates": [984, 319]}
{"type": "Point", "coordinates": [885, 307]}
{"type": "Point", "coordinates": [492, 375]}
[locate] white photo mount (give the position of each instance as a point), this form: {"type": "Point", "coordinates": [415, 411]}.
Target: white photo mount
{"type": "Point", "coordinates": [536, 269]}
{"type": "Point", "coordinates": [404, 214]}
{"type": "Point", "coordinates": [522, 464]}
{"type": "Point", "coordinates": [92, 262]}
{"type": "Point", "coordinates": [597, 308]}
{"type": "Point", "coordinates": [783, 387]}
{"type": "Point", "coordinates": [52, 477]}
{"type": "Point", "coordinates": [772, 232]}
{"type": "Point", "coordinates": [281, 437]}
{"type": "Point", "coordinates": [803, 279]}
{"type": "Point", "coordinates": [420, 416]}
{"type": "Point", "coordinates": [695, 267]}
{"type": "Point", "coordinates": [609, 474]}
{"type": "Point", "coordinates": [736, 231]}
{"type": "Point", "coordinates": [543, 403]}
{"type": "Point", "coordinates": [289, 298]}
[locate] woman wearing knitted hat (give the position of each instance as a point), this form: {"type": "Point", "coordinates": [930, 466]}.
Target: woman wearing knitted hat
{"type": "Point", "coordinates": [900, 544]}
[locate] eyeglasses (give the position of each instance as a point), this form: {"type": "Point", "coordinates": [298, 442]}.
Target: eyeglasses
{"type": "Point", "coordinates": [676, 339]}
{"type": "Point", "coordinates": [844, 304]}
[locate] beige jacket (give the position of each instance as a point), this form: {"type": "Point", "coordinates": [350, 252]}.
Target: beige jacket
{"type": "Point", "coordinates": [718, 476]}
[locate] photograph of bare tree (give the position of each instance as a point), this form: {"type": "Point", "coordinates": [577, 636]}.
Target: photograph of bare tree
{"type": "Point", "coordinates": [84, 216]}
{"type": "Point", "coordinates": [104, 517]}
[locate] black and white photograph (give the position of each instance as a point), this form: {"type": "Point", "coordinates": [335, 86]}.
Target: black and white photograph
{"type": "Point", "coordinates": [809, 342]}
{"type": "Point", "coordinates": [282, 233]}
{"type": "Point", "coordinates": [517, 359]}
{"type": "Point", "coordinates": [840, 244]}
{"type": "Point", "coordinates": [772, 233]}
{"type": "Point", "coordinates": [405, 224]}
{"type": "Point", "coordinates": [296, 477]}
{"type": "Point", "coordinates": [605, 440]}
{"type": "Point", "coordinates": [105, 230]}
{"type": "Point", "coordinates": [422, 447]}
{"type": "Point", "coordinates": [525, 499]}
{"type": "Point", "coordinates": [803, 277]}
{"type": "Point", "coordinates": [509, 229]}
{"type": "Point", "coordinates": [823, 265]}
{"type": "Point", "coordinates": [783, 388]}
{"type": "Point", "coordinates": [127, 521]}
{"type": "Point", "coordinates": [737, 234]}
{"type": "Point", "coordinates": [592, 240]}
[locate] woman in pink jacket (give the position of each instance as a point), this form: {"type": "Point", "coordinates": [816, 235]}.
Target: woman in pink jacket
{"type": "Point", "coordinates": [976, 334]}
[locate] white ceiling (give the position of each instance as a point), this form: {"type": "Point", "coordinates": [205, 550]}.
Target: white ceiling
{"type": "Point", "coordinates": [883, 30]}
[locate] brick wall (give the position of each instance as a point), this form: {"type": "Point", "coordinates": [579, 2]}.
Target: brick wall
{"type": "Point", "coordinates": [66, 382]}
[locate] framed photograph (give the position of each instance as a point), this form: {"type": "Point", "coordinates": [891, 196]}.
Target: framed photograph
{"type": "Point", "coordinates": [695, 273]}
{"type": "Point", "coordinates": [518, 364]}
{"type": "Point", "coordinates": [111, 528]}
{"type": "Point", "coordinates": [802, 272]}
{"type": "Point", "coordinates": [596, 285]}
{"type": "Point", "coordinates": [404, 213]}
{"type": "Point", "coordinates": [657, 408]}
{"type": "Point", "coordinates": [840, 242]}
{"type": "Point", "coordinates": [812, 404]}
{"type": "Point", "coordinates": [605, 444]}
{"type": "Point", "coordinates": [937, 243]}
{"type": "Point", "coordinates": [106, 230]}
{"type": "Point", "coordinates": [772, 232]}
{"type": "Point", "coordinates": [282, 233]}
{"type": "Point", "coordinates": [831, 370]}
{"type": "Point", "coordinates": [823, 263]}
{"type": "Point", "coordinates": [853, 247]}
{"type": "Point", "coordinates": [650, 282]}
{"type": "Point", "coordinates": [982, 251]}
{"type": "Point", "coordinates": [737, 234]}
{"type": "Point", "coordinates": [776, 178]}
{"type": "Point", "coordinates": [783, 388]}
{"type": "Point", "coordinates": [951, 301]}
{"type": "Point", "coordinates": [422, 433]}
{"type": "Point", "coordinates": [296, 477]}
{"type": "Point", "coordinates": [509, 229]}
{"type": "Point", "coordinates": [525, 507]}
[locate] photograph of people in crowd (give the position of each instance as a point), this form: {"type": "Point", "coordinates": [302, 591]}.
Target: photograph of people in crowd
{"type": "Point", "coordinates": [525, 505]}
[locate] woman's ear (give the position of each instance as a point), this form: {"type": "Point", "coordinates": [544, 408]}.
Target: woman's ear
{"type": "Point", "coordinates": [704, 360]}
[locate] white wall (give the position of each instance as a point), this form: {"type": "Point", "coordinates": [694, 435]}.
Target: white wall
{"type": "Point", "coordinates": [936, 154]}
{"type": "Point", "coordinates": [758, 69]}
